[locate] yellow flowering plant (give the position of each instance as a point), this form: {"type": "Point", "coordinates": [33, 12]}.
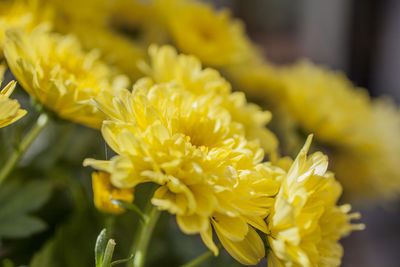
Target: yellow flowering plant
{"type": "Point", "coordinates": [189, 146]}
{"type": "Point", "coordinates": [183, 141]}
{"type": "Point", "coordinates": [58, 73]}
{"type": "Point", "coordinates": [166, 65]}
{"type": "Point", "coordinates": [20, 13]}
{"type": "Point", "coordinates": [120, 29]}
{"type": "Point", "coordinates": [213, 36]}
{"type": "Point", "coordinates": [176, 132]}
{"type": "Point", "coordinates": [305, 223]}
{"type": "Point", "coordinates": [346, 121]}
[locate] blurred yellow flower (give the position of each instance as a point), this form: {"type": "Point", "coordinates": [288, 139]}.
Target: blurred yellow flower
{"type": "Point", "coordinates": [375, 171]}
{"type": "Point", "coordinates": [138, 20]}
{"type": "Point", "coordinates": [167, 66]}
{"type": "Point", "coordinates": [93, 12]}
{"type": "Point", "coordinates": [120, 29]}
{"type": "Point", "coordinates": [58, 73]}
{"type": "Point", "coordinates": [188, 145]}
{"type": "Point", "coordinates": [258, 78]}
{"type": "Point", "coordinates": [305, 223]}
{"type": "Point", "coordinates": [196, 28]}
{"type": "Point", "coordinates": [325, 103]}
{"type": "Point", "coordinates": [115, 49]}
{"type": "Point", "coordinates": [93, 25]}
{"type": "Point", "coordinates": [9, 109]}
{"type": "Point", "coordinates": [104, 191]}
{"type": "Point", "coordinates": [19, 13]}
{"type": "Point", "coordinates": [347, 123]}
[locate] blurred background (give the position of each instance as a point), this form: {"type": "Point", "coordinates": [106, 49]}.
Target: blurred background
{"type": "Point", "coordinates": [360, 38]}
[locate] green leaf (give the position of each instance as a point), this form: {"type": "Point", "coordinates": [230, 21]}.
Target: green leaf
{"type": "Point", "coordinates": [17, 200]}
{"type": "Point", "coordinates": [100, 247]}
{"type": "Point", "coordinates": [24, 198]}
{"type": "Point", "coordinates": [20, 226]}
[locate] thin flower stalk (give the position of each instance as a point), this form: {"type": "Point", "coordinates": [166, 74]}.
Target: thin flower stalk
{"type": "Point", "coordinates": [143, 236]}
{"type": "Point", "coordinates": [9, 166]}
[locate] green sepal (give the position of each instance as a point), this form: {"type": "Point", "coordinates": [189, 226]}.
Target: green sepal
{"type": "Point", "coordinates": [101, 244]}
{"type": "Point", "coordinates": [131, 207]}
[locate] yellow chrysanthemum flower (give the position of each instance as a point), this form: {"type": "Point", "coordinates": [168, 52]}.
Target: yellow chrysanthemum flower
{"type": "Point", "coordinates": [19, 13]}
{"type": "Point", "coordinates": [157, 114]}
{"type": "Point", "coordinates": [58, 73]}
{"type": "Point", "coordinates": [116, 49]}
{"type": "Point", "coordinates": [248, 202]}
{"type": "Point", "coordinates": [189, 145]}
{"type": "Point", "coordinates": [351, 126]}
{"type": "Point", "coordinates": [325, 103]}
{"type": "Point", "coordinates": [258, 79]}
{"type": "Point", "coordinates": [347, 123]}
{"type": "Point", "coordinates": [320, 101]}
{"type": "Point", "coordinates": [196, 28]}
{"type": "Point", "coordinates": [375, 171]}
{"type": "Point", "coordinates": [305, 223]}
{"type": "Point", "coordinates": [104, 191]}
{"type": "Point", "coordinates": [138, 20]}
{"type": "Point", "coordinates": [9, 109]}
{"type": "Point", "coordinates": [121, 30]}
{"type": "Point", "coordinates": [166, 66]}
{"type": "Point", "coordinates": [93, 25]}
{"type": "Point", "coordinates": [93, 12]}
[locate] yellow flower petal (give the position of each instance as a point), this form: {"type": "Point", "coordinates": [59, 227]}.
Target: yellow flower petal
{"type": "Point", "coordinates": [192, 224]}
{"type": "Point", "coordinates": [207, 238]}
{"type": "Point", "coordinates": [248, 251]}
{"type": "Point", "coordinates": [104, 191]}
{"type": "Point", "coordinates": [9, 109]}
{"type": "Point", "coordinates": [233, 228]}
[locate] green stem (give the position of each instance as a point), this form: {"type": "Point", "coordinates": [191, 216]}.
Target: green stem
{"type": "Point", "coordinates": [144, 235]}
{"type": "Point", "coordinates": [131, 207]}
{"type": "Point", "coordinates": [9, 166]}
{"type": "Point", "coordinates": [200, 259]}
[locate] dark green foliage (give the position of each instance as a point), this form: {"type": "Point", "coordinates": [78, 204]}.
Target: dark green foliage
{"type": "Point", "coordinates": [17, 201]}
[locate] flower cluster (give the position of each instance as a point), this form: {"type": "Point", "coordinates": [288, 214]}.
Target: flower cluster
{"type": "Point", "coordinates": [191, 147]}
{"type": "Point", "coordinates": [346, 122]}
{"type": "Point", "coordinates": [216, 165]}
{"type": "Point", "coordinates": [308, 97]}
{"type": "Point", "coordinates": [178, 129]}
